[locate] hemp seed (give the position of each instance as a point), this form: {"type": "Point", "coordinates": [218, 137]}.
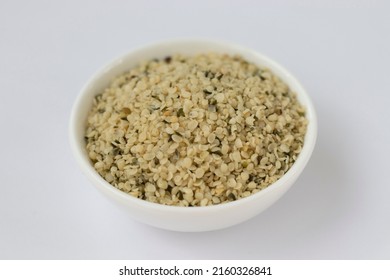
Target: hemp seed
{"type": "Point", "coordinates": [195, 130]}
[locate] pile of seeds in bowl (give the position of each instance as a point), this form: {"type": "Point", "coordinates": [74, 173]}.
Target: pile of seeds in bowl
{"type": "Point", "coordinates": [195, 130]}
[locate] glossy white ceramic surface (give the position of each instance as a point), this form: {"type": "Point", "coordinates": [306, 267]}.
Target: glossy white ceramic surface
{"type": "Point", "coordinates": [179, 218]}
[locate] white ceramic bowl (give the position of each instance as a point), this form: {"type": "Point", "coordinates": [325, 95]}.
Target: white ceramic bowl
{"type": "Point", "coordinates": [182, 218]}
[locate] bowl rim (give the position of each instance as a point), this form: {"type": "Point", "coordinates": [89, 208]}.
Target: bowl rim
{"type": "Point", "coordinates": [294, 171]}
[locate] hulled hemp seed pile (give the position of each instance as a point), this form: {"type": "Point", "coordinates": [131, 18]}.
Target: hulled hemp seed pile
{"type": "Point", "coordinates": [195, 130]}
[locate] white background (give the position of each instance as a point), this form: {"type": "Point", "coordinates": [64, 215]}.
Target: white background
{"type": "Point", "coordinates": [338, 209]}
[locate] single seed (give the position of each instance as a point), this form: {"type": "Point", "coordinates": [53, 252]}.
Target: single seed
{"type": "Point", "coordinates": [187, 162]}
{"type": "Point", "coordinates": [231, 183]}
{"type": "Point", "coordinates": [180, 113]}
{"type": "Point", "coordinates": [169, 130]}
{"type": "Point", "coordinates": [162, 184]}
{"type": "Point", "coordinates": [204, 202]}
{"type": "Point", "coordinates": [231, 196]}
{"type": "Point", "coordinates": [150, 188]}
{"type": "Point", "coordinates": [244, 176]}
{"type": "Point", "coordinates": [211, 138]}
{"type": "Point", "coordinates": [192, 124]}
{"type": "Point", "coordinates": [176, 138]}
{"type": "Point", "coordinates": [264, 161]}
{"type": "Point", "coordinates": [199, 173]}
{"type": "Point", "coordinates": [220, 97]}
{"type": "Point", "coordinates": [238, 143]}
{"type": "Point", "coordinates": [252, 185]}
{"type": "Point", "coordinates": [284, 148]}
{"type": "Point", "coordinates": [225, 149]}
{"type": "Point", "coordinates": [236, 156]}
{"type": "Point", "coordinates": [224, 168]}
